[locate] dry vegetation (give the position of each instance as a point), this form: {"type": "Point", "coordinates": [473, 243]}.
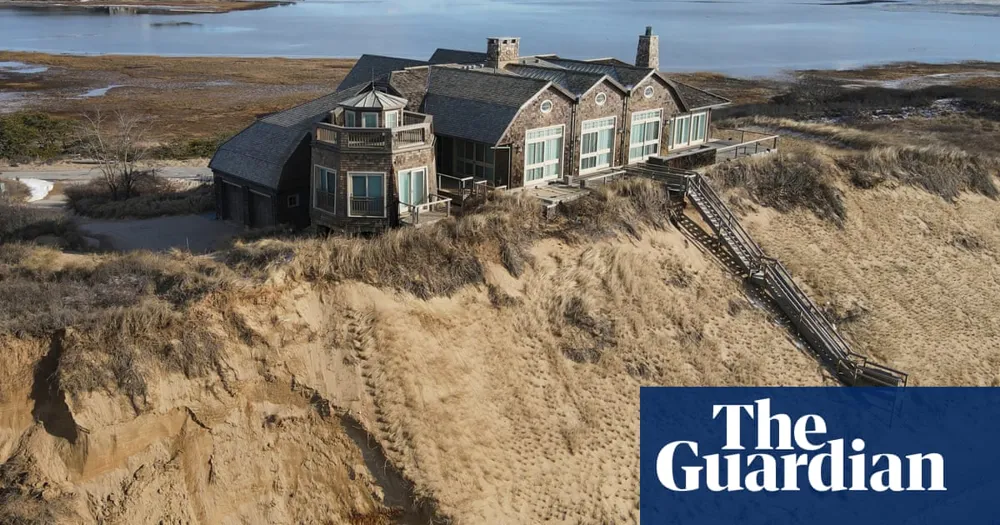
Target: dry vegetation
{"type": "Point", "coordinates": [482, 370]}
{"type": "Point", "coordinates": [15, 191]}
{"type": "Point", "coordinates": [188, 97]}
{"type": "Point", "coordinates": [153, 197]}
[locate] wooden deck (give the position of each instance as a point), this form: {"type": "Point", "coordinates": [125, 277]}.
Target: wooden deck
{"type": "Point", "coordinates": [729, 145]}
{"type": "Point", "coordinates": [426, 218]}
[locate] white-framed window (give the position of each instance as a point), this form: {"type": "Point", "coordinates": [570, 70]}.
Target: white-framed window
{"type": "Point", "coordinates": [369, 120]}
{"type": "Point", "coordinates": [546, 106]}
{"type": "Point", "coordinates": [474, 159]}
{"type": "Point", "coordinates": [688, 130]}
{"type": "Point", "coordinates": [644, 140]}
{"type": "Point", "coordinates": [648, 92]}
{"type": "Point", "coordinates": [325, 189]}
{"type": "Point", "coordinates": [412, 187]}
{"type": "Point", "coordinates": [597, 144]}
{"type": "Point", "coordinates": [601, 98]}
{"type": "Point", "coordinates": [350, 119]}
{"type": "Point", "coordinates": [367, 194]}
{"type": "Point", "coordinates": [391, 119]}
{"type": "Point", "coordinates": [543, 150]}
{"type": "Point", "coordinates": [293, 201]}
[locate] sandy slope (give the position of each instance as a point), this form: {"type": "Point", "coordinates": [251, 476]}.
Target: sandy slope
{"type": "Point", "coordinates": [922, 275]}
{"type": "Point", "coordinates": [515, 402]}
{"type": "Point", "coordinates": [482, 407]}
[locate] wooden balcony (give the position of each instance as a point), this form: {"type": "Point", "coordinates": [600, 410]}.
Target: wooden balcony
{"type": "Point", "coordinates": [414, 133]}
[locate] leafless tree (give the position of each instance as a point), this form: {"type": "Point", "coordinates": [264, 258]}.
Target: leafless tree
{"type": "Point", "coordinates": [118, 144]}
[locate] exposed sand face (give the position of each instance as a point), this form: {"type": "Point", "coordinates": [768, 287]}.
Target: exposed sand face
{"type": "Point", "coordinates": [515, 402]}
{"type": "Point", "coordinates": [517, 414]}
{"type": "Point", "coordinates": [486, 412]}
{"type": "Point", "coordinates": [922, 274]}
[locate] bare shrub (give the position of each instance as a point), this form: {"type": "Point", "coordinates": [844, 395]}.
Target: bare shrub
{"type": "Point", "coordinates": [15, 190]}
{"type": "Point", "coordinates": [20, 222]}
{"type": "Point", "coordinates": [151, 196]}
{"type": "Point", "coordinates": [785, 181]}
{"type": "Point", "coordinates": [118, 144]}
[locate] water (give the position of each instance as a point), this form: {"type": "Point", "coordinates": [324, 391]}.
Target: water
{"type": "Point", "coordinates": [100, 92]}
{"type": "Point", "coordinates": [740, 37]}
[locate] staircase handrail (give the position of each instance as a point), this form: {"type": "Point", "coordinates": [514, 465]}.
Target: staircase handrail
{"type": "Point", "coordinates": [812, 324]}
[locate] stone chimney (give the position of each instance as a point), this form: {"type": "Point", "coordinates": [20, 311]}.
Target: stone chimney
{"type": "Point", "coordinates": [501, 51]}
{"type": "Point", "coordinates": [648, 54]}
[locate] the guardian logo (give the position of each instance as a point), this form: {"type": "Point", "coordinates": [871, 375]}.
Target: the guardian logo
{"type": "Point", "coordinates": [791, 456]}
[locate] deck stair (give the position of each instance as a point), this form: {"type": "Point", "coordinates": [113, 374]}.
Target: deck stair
{"type": "Point", "coordinates": [771, 277]}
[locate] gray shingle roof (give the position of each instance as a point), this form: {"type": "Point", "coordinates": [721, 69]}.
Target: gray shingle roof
{"type": "Point", "coordinates": [411, 85]}
{"type": "Point", "coordinates": [370, 67]}
{"type": "Point", "coordinates": [625, 75]}
{"type": "Point", "coordinates": [259, 153]}
{"type": "Point", "coordinates": [694, 98]}
{"type": "Point", "coordinates": [457, 56]}
{"type": "Point", "coordinates": [483, 85]}
{"type": "Point", "coordinates": [476, 104]}
{"type": "Point", "coordinates": [469, 119]}
{"type": "Point", "coordinates": [575, 82]}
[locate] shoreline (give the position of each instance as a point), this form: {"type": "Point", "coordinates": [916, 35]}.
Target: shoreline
{"type": "Point", "coordinates": [140, 7]}
{"type": "Point", "coordinates": [782, 74]}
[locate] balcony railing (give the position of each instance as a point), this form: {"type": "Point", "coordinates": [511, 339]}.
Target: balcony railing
{"type": "Point", "coordinates": [415, 132]}
{"type": "Point", "coordinates": [436, 208]}
{"type": "Point", "coordinates": [367, 207]}
{"type": "Point", "coordinates": [326, 201]}
{"type": "Point", "coordinates": [461, 189]}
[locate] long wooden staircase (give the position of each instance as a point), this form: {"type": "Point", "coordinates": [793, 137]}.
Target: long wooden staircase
{"type": "Point", "coordinates": [772, 278]}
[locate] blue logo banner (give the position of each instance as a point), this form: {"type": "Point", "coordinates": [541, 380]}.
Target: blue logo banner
{"type": "Point", "coordinates": [822, 456]}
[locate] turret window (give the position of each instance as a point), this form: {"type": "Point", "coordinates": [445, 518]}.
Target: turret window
{"type": "Point", "coordinates": [391, 119]}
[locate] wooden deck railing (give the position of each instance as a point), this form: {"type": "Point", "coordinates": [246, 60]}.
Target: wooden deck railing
{"type": "Point", "coordinates": [773, 278]}
{"type": "Point", "coordinates": [416, 132]}
{"type": "Point", "coordinates": [461, 189]}
{"type": "Point", "coordinates": [412, 213]}
{"type": "Point", "coordinates": [747, 143]}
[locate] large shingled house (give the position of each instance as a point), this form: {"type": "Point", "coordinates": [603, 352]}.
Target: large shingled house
{"type": "Point", "coordinates": [398, 134]}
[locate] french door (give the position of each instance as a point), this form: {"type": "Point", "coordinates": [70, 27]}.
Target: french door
{"type": "Point", "coordinates": [412, 188]}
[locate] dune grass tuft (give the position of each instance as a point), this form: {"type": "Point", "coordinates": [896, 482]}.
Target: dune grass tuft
{"type": "Point", "coordinates": [787, 180]}
{"type": "Point", "coordinates": [941, 171]}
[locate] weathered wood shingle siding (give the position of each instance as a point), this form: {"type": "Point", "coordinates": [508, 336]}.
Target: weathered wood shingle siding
{"type": "Point", "coordinates": [587, 109]}
{"type": "Point", "coordinates": [531, 117]}
{"type": "Point", "coordinates": [663, 97]}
